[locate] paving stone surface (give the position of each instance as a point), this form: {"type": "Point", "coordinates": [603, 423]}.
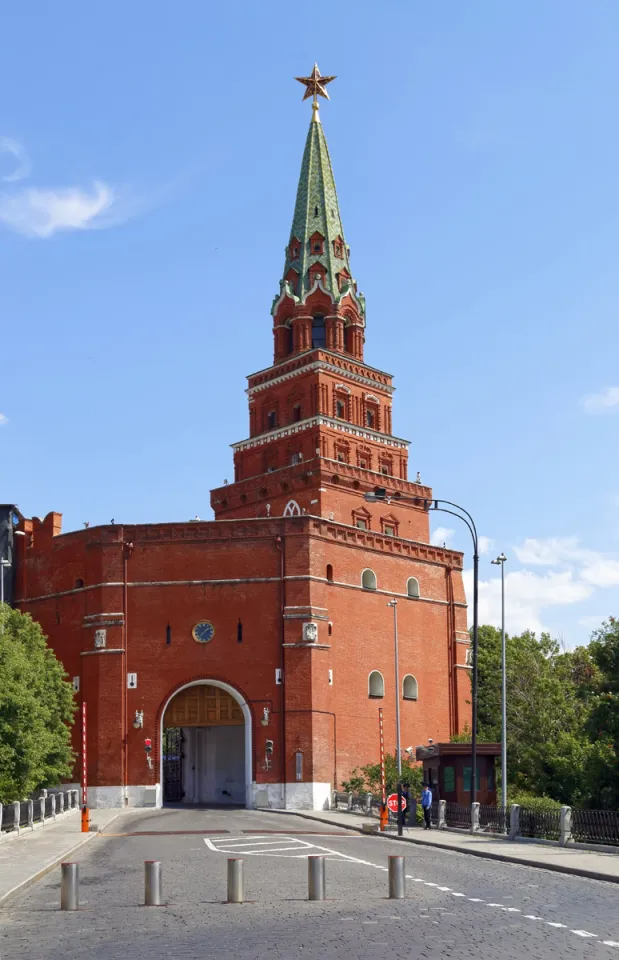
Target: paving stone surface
{"type": "Point", "coordinates": [456, 905]}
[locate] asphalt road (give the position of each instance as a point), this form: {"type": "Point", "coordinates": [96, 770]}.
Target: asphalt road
{"type": "Point", "coordinates": [456, 906]}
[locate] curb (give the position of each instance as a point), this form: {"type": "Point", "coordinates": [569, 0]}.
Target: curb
{"type": "Point", "coordinates": [18, 888]}
{"type": "Point", "coordinates": [483, 854]}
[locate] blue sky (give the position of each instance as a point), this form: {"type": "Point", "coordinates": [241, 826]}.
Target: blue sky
{"type": "Point", "coordinates": [149, 156]}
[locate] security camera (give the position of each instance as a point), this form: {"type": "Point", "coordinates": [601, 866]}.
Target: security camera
{"type": "Point", "coordinates": [430, 740]}
{"type": "Point", "coordinates": [409, 749]}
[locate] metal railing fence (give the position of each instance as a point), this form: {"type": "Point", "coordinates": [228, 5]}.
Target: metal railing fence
{"type": "Point", "coordinates": [458, 815]}
{"type": "Point", "coordinates": [493, 819]}
{"type": "Point", "coordinates": [542, 825]}
{"type": "Point", "coordinates": [596, 826]}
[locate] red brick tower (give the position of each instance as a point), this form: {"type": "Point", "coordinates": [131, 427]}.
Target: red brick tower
{"type": "Point", "coordinates": [320, 432]}
{"type": "Point", "coordinates": [262, 640]}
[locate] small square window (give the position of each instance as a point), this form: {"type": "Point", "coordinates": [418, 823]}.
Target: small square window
{"type": "Point", "coordinates": [340, 409]}
{"type": "Point", "coordinates": [361, 523]}
{"type": "Point", "coordinates": [363, 464]}
{"type": "Point", "coordinates": [370, 418]}
{"type": "Point", "coordinates": [389, 530]}
{"type": "Point", "coordinates": [341, 458]}
{"type": "Point", "coordinates": [316, 248]}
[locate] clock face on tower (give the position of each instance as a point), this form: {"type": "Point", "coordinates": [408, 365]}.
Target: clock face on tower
{"type": "Point", "coordinates": [203, 631]}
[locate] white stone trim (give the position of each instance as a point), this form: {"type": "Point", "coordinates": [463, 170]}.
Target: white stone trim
{"type": "Point", "coordinates": [311, 795]}
{"type": "Point", "coordinates": [322, 420]}
{"type": "Point", "coordinates": [248, 732]}
{"type": "Point", "coordinates": [319, 365]}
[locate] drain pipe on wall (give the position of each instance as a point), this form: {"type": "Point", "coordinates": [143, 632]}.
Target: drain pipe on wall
{"type": "Point", "coordinates": [281, 546]}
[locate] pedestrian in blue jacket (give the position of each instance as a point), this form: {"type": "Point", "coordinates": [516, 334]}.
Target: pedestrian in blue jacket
{"type": "Point", "coordinates": [426, 806]}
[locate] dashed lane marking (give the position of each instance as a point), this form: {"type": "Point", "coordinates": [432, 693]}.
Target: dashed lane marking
{"type": "Point", "coordinates": [263, 845]}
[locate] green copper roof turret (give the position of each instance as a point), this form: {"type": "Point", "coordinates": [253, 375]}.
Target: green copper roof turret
{"type": "Point", "coordinates": [316, 211]}
{"type": "Point", "coordinates": [317, 234]}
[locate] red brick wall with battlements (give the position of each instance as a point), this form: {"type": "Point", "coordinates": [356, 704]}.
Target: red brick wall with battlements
{"type": "Point", "coordinates": [148, 585]}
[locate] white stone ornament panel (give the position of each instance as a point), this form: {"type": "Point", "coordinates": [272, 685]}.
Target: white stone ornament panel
{"type": "Point", "coordinates": [310, 632]}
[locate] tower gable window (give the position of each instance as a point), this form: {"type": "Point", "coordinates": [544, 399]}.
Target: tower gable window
{"type": "Point", "coordinates": [376, 685]}
{"type": "Point", "coordinates": [317, 243]}
{"type": "Point", "coordinates": [343, 279]}
{"type": "Point", "coordinates": [316, 272]}
{"type": "Point", "coordinates": [294, 249]}
{"type": "Point", "coordinates": [338, 248]}
{"type": "Point", "coordinates": [319, 333]}
{"type": "Point", "coordinates": [389, 525]}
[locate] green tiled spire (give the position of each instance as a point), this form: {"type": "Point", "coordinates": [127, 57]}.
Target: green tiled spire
{"type": "Point", "coordinates": [317, 211]}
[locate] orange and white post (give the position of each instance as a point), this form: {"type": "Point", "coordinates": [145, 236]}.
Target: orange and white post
{"type": "Point", "coordinates": [85, 810]}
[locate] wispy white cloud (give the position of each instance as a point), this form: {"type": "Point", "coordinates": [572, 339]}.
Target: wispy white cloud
{"type": "Point", "coordinates": [18, 165]}
{"type": "Point", "coordinates": [574, 573]}
{"type": "Point", "coordinates": [553, 551]}
{"type": "Point", "coordinates": [3, 419]}
{"type": "Point", "coordinates": [41, 213]}
{"type": "Point", "coordinates": [442, 535]}
{"type": "Point", "coordinates": [485, 545]}
{"type": "Point", "coordinates": [602, 402]}
{"type": "Point", "coordinates": [593, 621]}
{"type": "Point", "coordinates": [527, 595]}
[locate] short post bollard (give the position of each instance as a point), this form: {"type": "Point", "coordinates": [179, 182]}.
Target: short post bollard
{"type": "Point", "coordinates": [152, 883]}
{"type": "Point", "coordinates": [316, 878]}
{"type": "Point", "coordinates": [235, 880]}
{"type": "Point", "coordinates": [69, 886]}
{"type": "Point", "coordinates": [397, 878]}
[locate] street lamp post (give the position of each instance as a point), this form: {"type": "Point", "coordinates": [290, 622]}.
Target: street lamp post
{"type": "Point", "coordinates": [380, 494]}
{"type": "Point", "coordinates": [501, 562]}
{"type": "Point", "coordinates": [394, 603]}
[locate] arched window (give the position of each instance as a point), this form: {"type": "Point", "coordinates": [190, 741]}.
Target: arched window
{"type": "Point", "coordinates": [330, 573]}
{"type": "Point", "coordinates": [292, 509]}
{"type": "Point", "coordinates": [368, 580]}
{"type": "Point", "coordinates": [412, 587]}
{"type": "Point", "coordinates": [409, 687]}
{"type": "Point", "coordinates": [376, 684]}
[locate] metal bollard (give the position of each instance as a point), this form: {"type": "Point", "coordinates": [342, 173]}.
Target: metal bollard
{"type": "Point", "coordinates": [235, 880]}
{"type": "Point", "coordinates": [69, 886]}
{"type": "Point", "coordinates": [152, 883]}
{"type": "Point", "coordinates": [316, 878]}
{"type": "Point", "coordinates": [397, 878]}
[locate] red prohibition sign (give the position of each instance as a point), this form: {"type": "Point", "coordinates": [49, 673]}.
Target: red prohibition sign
{"type": "Point", "coordinates": [392, 802]}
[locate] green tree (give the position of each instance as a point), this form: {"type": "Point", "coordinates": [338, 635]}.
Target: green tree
{"type": "Point", "coordinates": [603, 768]}
{"type": "Point", "coordinates": [36, 709]}
{"type": "Point", "coordinates": [548, 701]}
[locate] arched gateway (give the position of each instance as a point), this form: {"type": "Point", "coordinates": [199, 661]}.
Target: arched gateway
{"type": "Point", "coordinates": [206, 746]}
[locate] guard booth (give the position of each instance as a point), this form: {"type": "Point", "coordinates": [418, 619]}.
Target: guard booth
{"type": "Point", "coordinates": [447, 769]}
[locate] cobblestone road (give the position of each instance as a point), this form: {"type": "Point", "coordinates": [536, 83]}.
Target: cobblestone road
{"type": "Point", "coordinates": [456, 906]}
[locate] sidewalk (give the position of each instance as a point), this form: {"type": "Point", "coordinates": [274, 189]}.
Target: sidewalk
{"type": "Point", "coordinates": [583, 863]}
{"type": "Point", "coordinates": [35, 852]}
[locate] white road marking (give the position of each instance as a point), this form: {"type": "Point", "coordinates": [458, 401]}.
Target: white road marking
{"type": "Point", "coordinates": [258, 844]}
